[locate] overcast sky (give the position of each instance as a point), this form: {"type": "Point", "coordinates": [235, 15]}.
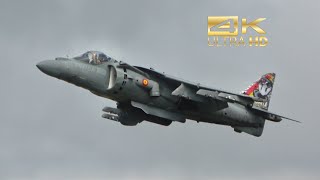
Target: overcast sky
{"type": "Point", "coordinates": [50, 129]}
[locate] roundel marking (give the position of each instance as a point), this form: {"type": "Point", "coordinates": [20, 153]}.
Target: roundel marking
{"type": "Point", "coordinates": [145, 82]}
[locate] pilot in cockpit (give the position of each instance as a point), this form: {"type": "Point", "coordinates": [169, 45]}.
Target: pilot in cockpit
{"type": "Point", "coordinates": [93, 57]}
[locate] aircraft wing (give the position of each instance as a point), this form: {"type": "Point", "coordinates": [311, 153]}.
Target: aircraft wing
{"type": "Point", "coordinates": [222, 93]}
{"type": "Point", "coordinates": [190, 90]}
{"type": "Point", "coordinates": [198, 93]}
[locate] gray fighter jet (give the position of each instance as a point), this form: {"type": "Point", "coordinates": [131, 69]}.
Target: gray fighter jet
{"type": "Point", "coordinates": [143, 94]}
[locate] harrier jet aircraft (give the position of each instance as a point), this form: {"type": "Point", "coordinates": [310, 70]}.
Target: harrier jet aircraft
{"type": "Point", "coordinates": [143, 94]}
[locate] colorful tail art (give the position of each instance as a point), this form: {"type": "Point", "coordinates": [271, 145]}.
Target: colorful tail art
{"type": "Point", "coordinates": [262, 89]}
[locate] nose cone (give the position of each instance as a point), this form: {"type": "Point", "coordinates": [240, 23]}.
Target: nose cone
{"type": "Point", "coordinates": [50, 67]}
{"type": "Point", "coordinates": [76, 72]}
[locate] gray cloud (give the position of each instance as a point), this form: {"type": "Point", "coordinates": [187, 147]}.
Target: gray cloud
{"type": "Point", "coordinates": [50, 129]}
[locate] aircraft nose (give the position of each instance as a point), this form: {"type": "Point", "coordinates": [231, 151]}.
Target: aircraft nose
{"type": "Point", "coordinates": [50, 67]}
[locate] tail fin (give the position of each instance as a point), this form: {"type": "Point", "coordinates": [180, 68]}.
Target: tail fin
{"type": "Point", "coordinates": [262, 89]}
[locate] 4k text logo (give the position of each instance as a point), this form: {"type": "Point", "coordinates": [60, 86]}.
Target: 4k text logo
{"type": "Point", "coordinates": [228, 31]}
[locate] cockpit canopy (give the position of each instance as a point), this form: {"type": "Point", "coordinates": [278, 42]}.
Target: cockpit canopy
{"type": "Point", "coordinates": [93, 57]}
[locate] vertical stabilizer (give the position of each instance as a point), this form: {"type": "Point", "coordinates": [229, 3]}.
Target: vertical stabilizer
{"type": "Point", "coordinates": [262, 89]}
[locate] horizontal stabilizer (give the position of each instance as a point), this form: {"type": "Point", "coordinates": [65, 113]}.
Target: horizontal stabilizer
{"type": "Point", "coordinates": [271, 116]}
